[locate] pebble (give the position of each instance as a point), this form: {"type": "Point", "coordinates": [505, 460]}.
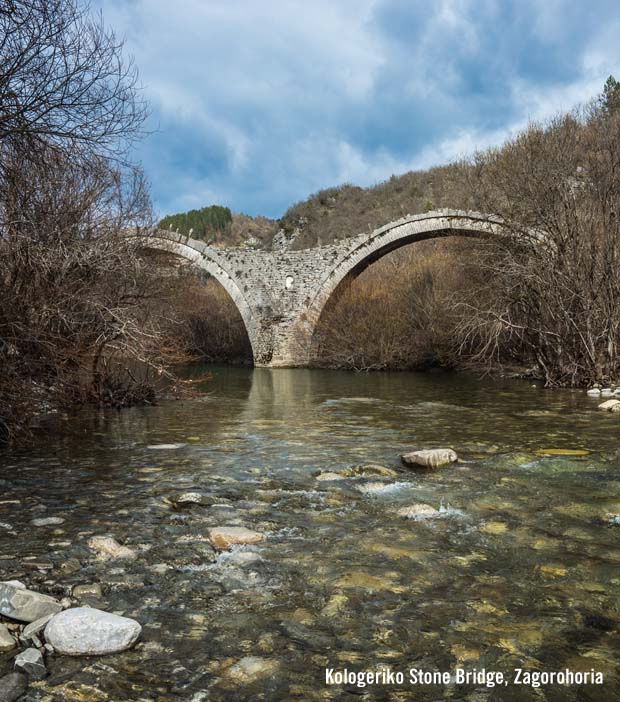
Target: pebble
{"type": "Point", "coordinates": [47, 521]}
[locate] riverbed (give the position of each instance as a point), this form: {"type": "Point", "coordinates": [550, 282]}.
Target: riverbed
{"type": "Point", "coordinates": [518, 568]}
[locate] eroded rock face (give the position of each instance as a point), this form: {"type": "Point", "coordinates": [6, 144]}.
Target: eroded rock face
{"type": "Point", "coordinates": [25, 605]}
{"type": "Point", "coordinates": [225, 537]}
{"type": "Point", "coordinates": [429, 458]}
{"type": "Point", "coordinates": [107, 547]}
{"type": "Point", "coordinates": [85, 631]}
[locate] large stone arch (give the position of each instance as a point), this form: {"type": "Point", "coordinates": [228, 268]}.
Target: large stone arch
{"type": "Point", "coordinates": [211, 261]}
{"type": "Point", "coordinates": [358, 253]}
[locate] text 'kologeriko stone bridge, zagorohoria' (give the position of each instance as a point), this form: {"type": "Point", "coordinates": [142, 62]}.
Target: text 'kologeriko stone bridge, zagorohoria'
{"type": "Point", "coordinates": [281, 294]}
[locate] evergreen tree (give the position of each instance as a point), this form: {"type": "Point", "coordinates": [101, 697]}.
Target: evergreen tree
{"type": "Point", "coordinates": [610, 98]}
{"type": "Point", "coordinates": [203, 223]}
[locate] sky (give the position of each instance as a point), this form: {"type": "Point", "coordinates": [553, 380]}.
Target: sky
{"type": "Point", "coordinates": [256, 104]}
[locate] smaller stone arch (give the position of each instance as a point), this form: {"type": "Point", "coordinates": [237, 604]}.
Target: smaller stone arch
{"type": "Point", "coordinates": [209, 260]}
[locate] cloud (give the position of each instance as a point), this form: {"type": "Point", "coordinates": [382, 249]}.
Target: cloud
{"type": "Point", "coordinates": [256, 105]}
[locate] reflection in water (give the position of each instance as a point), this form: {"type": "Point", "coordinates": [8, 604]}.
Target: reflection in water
{"type": "Point", "coordinates": [517, 569]}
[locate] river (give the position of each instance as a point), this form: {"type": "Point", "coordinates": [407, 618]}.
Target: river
{"type": "Point", "coordinates": [519, 568]}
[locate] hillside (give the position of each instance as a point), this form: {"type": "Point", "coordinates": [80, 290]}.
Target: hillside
{"type": "Point", "coordinates": [331, 214]}
{"type": "Point", "coordinates": [348, 210]}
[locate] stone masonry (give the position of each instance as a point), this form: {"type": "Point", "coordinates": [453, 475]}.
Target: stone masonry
{"type": "Point", "coordinates": [281, 294]}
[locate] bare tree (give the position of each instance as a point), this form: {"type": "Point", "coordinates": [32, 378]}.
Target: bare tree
{"type": "Point", "coordinates": [83, 315]}
{"type": "Point", "coordinates": [63, 78]}
{"type": "Point", "coordinates": [554, 278]}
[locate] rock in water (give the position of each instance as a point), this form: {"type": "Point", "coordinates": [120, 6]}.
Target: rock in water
{"type": "Point", "coordinates": [26, 605]}
{"type": "Point", "coordinates": [12, 687]}
{"type": "Point", "coordinates": [329, 475]}
{"type": "Point", "coordinates": [85, 631]}
{"type": "Point", "coordinates": [187, 499]}
{"type": "Point", "coordinates": [35, 627]}
{"type": "Point", "coordinates": [429, 458]}
{"type": "Point", "coordinates": [7, 642]}
{"type": "Point", "coordinates": [107, 547]}
{"type": "Point", "coordinates": [418, 512]}
{"type": "Point", "coordinates": [31, 662]}
{"type": "Point", "coordinates": [225, 537]}
{"type": "Point", "coordinates": [610, 406]}
{"type": "Point", "coordinates": [47, 521]}
{"type": "Point", "coordinates": [93, 590]}
{"type": "Point", "coordinates": [251, 668]}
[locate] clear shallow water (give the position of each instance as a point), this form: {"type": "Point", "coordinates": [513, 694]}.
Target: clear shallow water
{"type": "Point", "coordinates": [520, 569]}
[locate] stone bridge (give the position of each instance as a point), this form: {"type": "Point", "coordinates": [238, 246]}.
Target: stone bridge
{"type": "Point", "coordinates": [281, 294]}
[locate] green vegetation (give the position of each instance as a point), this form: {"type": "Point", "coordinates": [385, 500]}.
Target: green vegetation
{"type": "Point", "coordinates": [610, 98]}
{"type": "Point", "coordinates": [203, 224]}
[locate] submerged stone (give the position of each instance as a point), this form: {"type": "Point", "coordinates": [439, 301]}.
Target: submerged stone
{"type": "Point", "coordinates": [561, 452]}
{"type": "Point", "coordinates": [164, 447]}
{"type": "Point", "coordinates": [12, 687]}
{"type": "Point", "coordinates": [374, 488]}
{"type": "Point", "coordinates": [329, 476]}
{"type": "Point", "coordinates": [418, 512]}
{"type": "Point", "coordinates": [26, 605]}
{"type": "Point", "coordinates": [225, 537]}
{"type": "Point", "coordinates": [429, 458]}
{"type": "Point", "coordinates": [370, 470]}
{"type": "Point", "coordinates": [92, 590]}
{"type": "Point", "coordinates": [187, 499]}
{"type": "Point", "coordinates": [251, 668]}
{"type": "Point", "coordinates": [85, 631]}
{"type": "Point", "coordinates": [107, 547]}
{"type": "Point", "coordinates": [47, 521]}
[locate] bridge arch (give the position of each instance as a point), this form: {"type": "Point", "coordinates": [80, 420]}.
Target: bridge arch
{"type": "Point", "coordinates": [207, 259]}
{"type": "Point", "coordinates": [360, 252]}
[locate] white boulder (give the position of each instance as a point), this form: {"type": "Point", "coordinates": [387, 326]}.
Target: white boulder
{"type": "Point", "coordinates": [610, 406]}
{"type": "Point", "coordinates": [85, 631]}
